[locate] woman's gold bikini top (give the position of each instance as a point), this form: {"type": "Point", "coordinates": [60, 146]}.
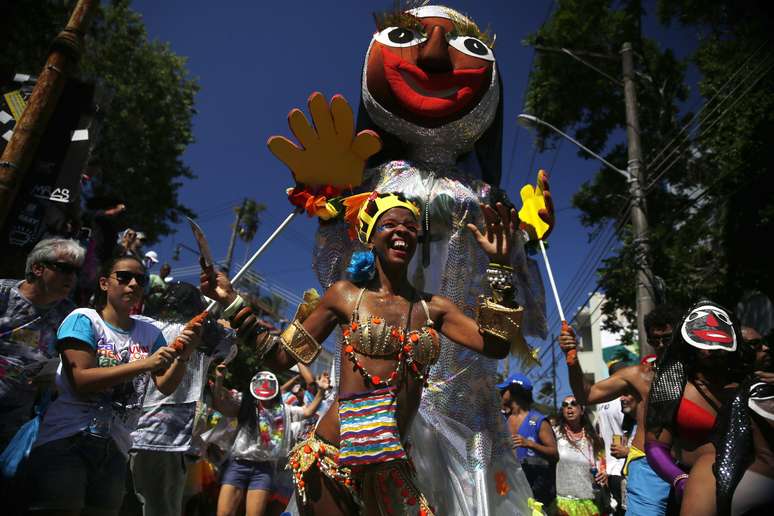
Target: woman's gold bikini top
{"type": "Point", "coordinates": [371, 336]}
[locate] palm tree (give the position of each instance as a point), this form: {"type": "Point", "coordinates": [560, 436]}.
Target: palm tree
{"type": "Point", "coordinates": [248, 220]}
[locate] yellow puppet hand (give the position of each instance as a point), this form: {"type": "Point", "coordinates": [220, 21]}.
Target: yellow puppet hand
{"type": "Point", "coordinates": [330, 152]}
{"type": "Point", "coordinates": [537, 211]}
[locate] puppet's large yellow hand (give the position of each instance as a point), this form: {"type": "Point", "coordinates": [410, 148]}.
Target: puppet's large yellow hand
{"type": "Point", "coordinates": [330, 152]}
{"type": "Point", "coordinates": [537, 211]}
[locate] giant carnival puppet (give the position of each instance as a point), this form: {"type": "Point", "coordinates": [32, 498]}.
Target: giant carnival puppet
{"type": "Point", "coordinates": [428, 148]}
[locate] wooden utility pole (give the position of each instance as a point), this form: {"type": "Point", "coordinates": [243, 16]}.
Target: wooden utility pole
{"type": "Point", "coordinates": [232, 241]}
{"type": "Point", "coordinates": [644, 300]}
{"type": "Point", "coordinates": [66, 51]}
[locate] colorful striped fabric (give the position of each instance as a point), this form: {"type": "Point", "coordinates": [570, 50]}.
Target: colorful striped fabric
{"type": "Point", "coordinates": [369, 428]}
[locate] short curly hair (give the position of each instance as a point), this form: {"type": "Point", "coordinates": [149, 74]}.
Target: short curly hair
{"type": "Point", "coordinates": [661, 316]}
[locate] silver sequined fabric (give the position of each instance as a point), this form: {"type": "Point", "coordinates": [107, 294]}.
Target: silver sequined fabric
{"type": "Point", "coordinates": [734, 451]}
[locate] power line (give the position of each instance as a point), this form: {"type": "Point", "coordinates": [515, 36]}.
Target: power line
{"type": "Point", "coordinates": [673, 136]}
{"type": "Point", "coordinates": [717, 119]}
{"type": "Point", "coordinates": [664, 165]}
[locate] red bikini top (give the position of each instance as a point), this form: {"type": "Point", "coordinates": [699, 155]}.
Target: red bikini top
{"type": "Point", "coordinates": [694, 422]}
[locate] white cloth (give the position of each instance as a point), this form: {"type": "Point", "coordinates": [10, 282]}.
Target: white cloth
{"type": "Point", "coordinates": [610, 420]}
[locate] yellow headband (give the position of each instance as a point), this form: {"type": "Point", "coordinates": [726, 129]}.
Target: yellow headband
{"type": "Point", "coordinates": [370, 206]}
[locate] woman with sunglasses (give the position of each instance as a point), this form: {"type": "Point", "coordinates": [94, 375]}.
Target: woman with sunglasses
{"type": "Point", "coordinates": [580, 472]}
{"type": "Point", "coordinates": [78, 463]}
{"type": "Point", "coordinates": [692, 379]}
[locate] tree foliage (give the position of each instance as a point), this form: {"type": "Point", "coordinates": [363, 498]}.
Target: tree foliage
{"type": "Point", "coordinates": [146, 123]}
{"type": "Point", "coordinates": [705, 210]}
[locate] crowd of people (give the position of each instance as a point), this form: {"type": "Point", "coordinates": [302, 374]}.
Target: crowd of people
{"type": "Point", "coordinates": [104, 408]}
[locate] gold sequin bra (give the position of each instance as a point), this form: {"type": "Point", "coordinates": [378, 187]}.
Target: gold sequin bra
{"type": "Point", "coordinates": [374, 338]}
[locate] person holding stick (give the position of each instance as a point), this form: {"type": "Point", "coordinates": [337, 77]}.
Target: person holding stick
{"type": "Point", "coordinates": [647, 494]}
{"type": "Point", "coordinates": [391, 337]}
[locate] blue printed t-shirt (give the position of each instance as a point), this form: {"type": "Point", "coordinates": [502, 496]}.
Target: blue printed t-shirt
{"type": "Point", "coordinates": [72, 413]}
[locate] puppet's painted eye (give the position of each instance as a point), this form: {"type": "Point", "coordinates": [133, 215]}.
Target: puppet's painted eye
{"type": "Point", "coordinates": [399, 37]}
{"type": "Point", "coordinates": [470, 46]}
{"type": "Point", "coordinates": [720, 314]}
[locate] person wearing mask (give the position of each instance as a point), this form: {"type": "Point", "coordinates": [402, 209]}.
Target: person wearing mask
{"type": "Point", "coordinates": [254, 472]}
{"type": "Point", "coordinates": [580, 472]}
{"type": "Point", "coordinates": [739, 477]}
{"type": "Point", "coordinates": [647, 494]}
{"type": "Point", "coordinates": [31, 310]}
{"type": "Point", "coordinates": [532, 437]}
{"type": "Point", "coordinates": [79, 461]}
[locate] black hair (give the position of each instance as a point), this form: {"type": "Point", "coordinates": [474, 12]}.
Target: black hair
{"type": "Point", "coordinates": [100, 296]}
{"type": "Point", "coordinates": [520, 393]}
{"type": "Point", "coordinates": [662, 315]}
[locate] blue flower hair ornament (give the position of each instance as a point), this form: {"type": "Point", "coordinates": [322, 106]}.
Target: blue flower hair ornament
{"type": "Point", "coordinates": [362, 266]}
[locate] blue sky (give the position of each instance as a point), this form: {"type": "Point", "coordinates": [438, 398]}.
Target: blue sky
{"type": "Point", "coordinates": [257, 60]}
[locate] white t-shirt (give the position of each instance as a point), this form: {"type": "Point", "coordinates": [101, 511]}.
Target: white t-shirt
{"type": "Point", "coordinates": [110, 413]}
{"type": "Point", "coordinates": [610, 420]}
{"type": "Point", "coordinates": [270, 438]}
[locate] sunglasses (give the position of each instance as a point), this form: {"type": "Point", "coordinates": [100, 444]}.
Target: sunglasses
{"type": "Point", "coordinates": [63, 267]}
{"type": "Point", "coordinates": [126, 277]}
{"type": "Point", "coordinates": [661, 339]}
{"type": "Point", "coordinates": [571, 403]}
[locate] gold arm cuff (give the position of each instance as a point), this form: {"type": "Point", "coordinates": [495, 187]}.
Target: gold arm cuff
{"type": "Point", "coordinates": [498, 320]}
{"type": "Point", "coordinates": [299, 343]}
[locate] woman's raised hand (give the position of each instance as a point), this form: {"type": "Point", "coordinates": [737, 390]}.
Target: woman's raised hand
{"type": "Point", "coordinates": [499, 236]}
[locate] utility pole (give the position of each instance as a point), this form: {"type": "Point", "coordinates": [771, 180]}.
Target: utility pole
{"type": "Point", "coordinates": [66, 51]}
{"type": "Point", "coordinates": [644, 285]}
{"type": "Point", "coordinates": [636, 176]}
{"type": "Point", "coordinates": [232, 241]}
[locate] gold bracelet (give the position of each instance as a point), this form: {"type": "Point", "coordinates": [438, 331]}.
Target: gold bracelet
{"type": "Point", "coordinates": [299, 343]}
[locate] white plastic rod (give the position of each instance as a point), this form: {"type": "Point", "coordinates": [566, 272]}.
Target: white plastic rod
{"type": "Point", "coordinates": [260, 251]}
{"type": "Point", "coordinates": [551, 280]}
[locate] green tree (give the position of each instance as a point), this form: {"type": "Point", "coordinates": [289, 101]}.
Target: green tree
{"type": "Point", "coordinates": [694, 220]}
{"type": "Point", "coordinates": [250, 220]}
{"type": "Point", "coordinates": [147, 123]}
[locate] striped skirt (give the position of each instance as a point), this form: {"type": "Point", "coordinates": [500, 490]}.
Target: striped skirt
{"type": "Point", "coordinates": [369, 428]}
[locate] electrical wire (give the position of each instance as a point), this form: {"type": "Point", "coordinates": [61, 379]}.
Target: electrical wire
{"type": "Point", "coordinates": [704, 123]}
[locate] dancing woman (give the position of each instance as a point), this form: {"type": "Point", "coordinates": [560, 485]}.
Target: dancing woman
{"type": "Point", "coordinates": [356, 458]}
{"type": "Point", "coordinates": [687, 393]}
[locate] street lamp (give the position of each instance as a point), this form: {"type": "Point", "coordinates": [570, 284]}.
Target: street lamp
{"type": "Point", "coordinates": [531, 121]}
{"type": "Point", "coordinates": [644, 284]}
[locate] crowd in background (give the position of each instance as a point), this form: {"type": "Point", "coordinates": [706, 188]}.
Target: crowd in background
{"type": "Point", "coordinates": [122, 402]}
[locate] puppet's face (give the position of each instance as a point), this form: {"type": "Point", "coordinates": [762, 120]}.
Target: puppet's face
{"type": "Point", "coordinates": [708, 327]}
{"type": "Point", "coordinates": [428, 67]}
{"type": "Point", "coordinates": [264, 385]}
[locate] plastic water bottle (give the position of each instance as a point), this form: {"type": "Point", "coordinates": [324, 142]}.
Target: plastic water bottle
{"type": "Point", "coordinates": [100, 423]}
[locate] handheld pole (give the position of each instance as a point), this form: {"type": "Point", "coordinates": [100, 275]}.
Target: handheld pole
{"type": "Point", "coordinates": [572, 354]}
{"type": "Point", "coordinates": [260, 251]}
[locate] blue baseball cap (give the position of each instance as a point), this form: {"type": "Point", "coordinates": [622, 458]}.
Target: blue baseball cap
{"type": "Point", "coordinates": [516, 379]}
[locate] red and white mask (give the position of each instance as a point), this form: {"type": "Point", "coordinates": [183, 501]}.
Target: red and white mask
{"type": "Point", "coordinates": [264, 385]}
{"type": "Point", "coordinates": [708, 326]}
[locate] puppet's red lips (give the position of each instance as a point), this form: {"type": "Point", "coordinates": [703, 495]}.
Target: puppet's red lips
{"type": "Point", "coordinates": [713, 335]}
{"type": "Point", "coordinates": [436, 95]}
